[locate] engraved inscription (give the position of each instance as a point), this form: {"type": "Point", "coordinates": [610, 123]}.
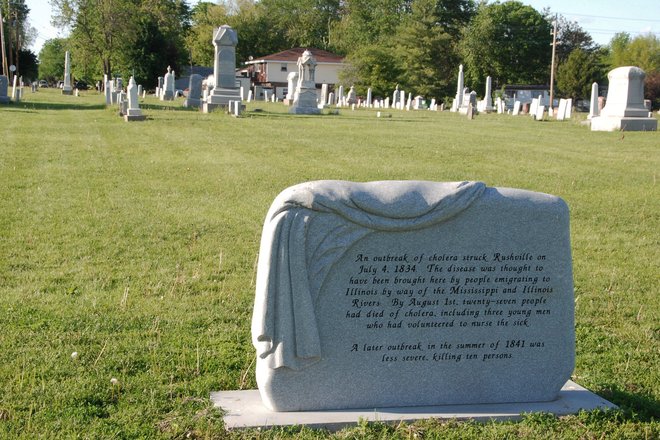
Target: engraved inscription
{"type": "Point", "coordinates": [401, 293]}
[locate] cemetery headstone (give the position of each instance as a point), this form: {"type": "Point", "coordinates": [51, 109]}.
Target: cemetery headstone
{"type": "Point", "coordinates": [625, 109]}
{"type": "Point", "coordinates": [458, 100]}
{"type": "Point", "coordinates": [395, 97]}
{"type": "Point", "coordinates": [593, 103]}
{"type": "Point", "coordinates": [133, 111]}
{"type": "Point", "coordinates": [323, 100]}
{"type": "Point", "coordinates": [67, 89]}
{"type": "Point", "coordinates": [488, 107]}
{"type": "Point", "coordinates": [194, 99]}
{"type": "Point", "coordinates": [540, 111]}
{"type": "Point", "coordinates": [292, 82]}
{"type": "Point", "coordinates": [390, 294]}
{"type": "Point", "coordinates": [167, 94]}
{"type": "Point", "coordinates": [561, 110]}
{"type": "Point", "coordinates": [516, 108]}
{"type": "Point", "coordinates": [351, 98]}
{"type": "Point", "coordinates": [225, 40]}
{"type": "Point", "coordinates": [369, 98]}
{"type": "Point", "coordinates": [305, 96]}
{"type": "Point", "coordinates": [534, 107]}
{"type": "Point", "coordinates": [108, 92]}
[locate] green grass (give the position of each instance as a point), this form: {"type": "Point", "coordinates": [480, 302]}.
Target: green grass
{"type": "Point", "coordinates": [134, 245]}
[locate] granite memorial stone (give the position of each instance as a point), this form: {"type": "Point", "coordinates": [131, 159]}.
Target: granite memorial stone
{"type": "Point", "coordinates": [194, 99]}
{"type": "Point", "coordinates": [67, 89]}
{"type": "Point", "coordinates": [133, 111]}
{"type": "Point", "coordinates": [412, 293]}
{"type": "Point", "coordinates": [625, 109]}
{"type": "Point", "coordinates": [304, 100]}
{"type": "Point", "coordinates": [225, 40]}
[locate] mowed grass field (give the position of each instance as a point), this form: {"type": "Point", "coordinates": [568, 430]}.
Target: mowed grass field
{"type": "Point", "coordinates": [134, 245]}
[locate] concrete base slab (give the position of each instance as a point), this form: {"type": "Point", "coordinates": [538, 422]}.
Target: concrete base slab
{"type": "Point", "coordinates": [129, 118]}
{"type": "Point", "coordinates": [610, 123]}
{"type": "Point", "coordinates": [244, 409]}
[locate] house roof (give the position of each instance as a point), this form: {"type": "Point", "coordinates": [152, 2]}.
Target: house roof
{"type": "Point", "coordinates": [292, 55]}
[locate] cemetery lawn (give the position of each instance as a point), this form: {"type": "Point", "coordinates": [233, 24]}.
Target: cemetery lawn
{"type": "Point", "coordinates": [134, 246]}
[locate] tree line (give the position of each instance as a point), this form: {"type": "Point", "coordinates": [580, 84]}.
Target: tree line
{"type": "Point", "coordinates": [417, 44]}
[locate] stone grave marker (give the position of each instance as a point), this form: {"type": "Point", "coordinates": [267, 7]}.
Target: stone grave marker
{"type": "Point", "coordinates": [516, 108]}
{"type": "Point", "coordinates": [305, 97]}
{"type": "Point", "coordinates": [388, 294]}
{"type": "Point", "coordinates": [625, 109]}
{"type": "Point", "coordinates": [225, 40]}
{"type": "Point", "coordinates": [133, 111]}
{"type": "Point", "coordinates": [540, 112]}
{"type": "Point", "coordinates": [194, 99]}
{"type": "Point", "coordinates": [400, 294]}
{"type": "Point", "coordinates": [593, 103]}
{"type": "Point", "coordinates": [67, 89]}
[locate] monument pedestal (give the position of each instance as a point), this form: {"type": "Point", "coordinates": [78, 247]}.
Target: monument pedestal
{"type": "Point", "coordinates": [134, 115]}
{"type": "Point", "coordinates": [220, 97]}
{"type": "Point", "coordinates": [244, 409]}
{"type": "Point", "coordinates": [615, 123]}
{"type": "Point", "coordinates": [66, 91]}
{"type": "Point", "coordinates": [167, 96]}
{"type": "Point", "coordinates": [192, 103]}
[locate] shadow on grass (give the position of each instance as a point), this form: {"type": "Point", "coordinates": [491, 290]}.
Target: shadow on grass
{"type": "Point", "coordinates": [166, 107]}
{"type": "Point", "coordinates": [59, 106]}
{"type": "Point", "coordinates": [640, 407]}
{"type": "Point", "coordinates": [258, 113]}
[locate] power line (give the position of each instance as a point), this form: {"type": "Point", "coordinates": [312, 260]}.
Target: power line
{"type": "Point", "coordinates": [610, 18]}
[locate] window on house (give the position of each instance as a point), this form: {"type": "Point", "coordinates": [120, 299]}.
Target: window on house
{"type": "Point", "coordinates": [283, 68]}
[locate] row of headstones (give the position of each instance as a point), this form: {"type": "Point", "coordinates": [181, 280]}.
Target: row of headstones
{"type": "Point", "coordinates": [537, 109]}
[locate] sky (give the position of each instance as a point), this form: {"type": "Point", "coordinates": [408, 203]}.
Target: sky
{"type": "Point", "coordinates": [601, 18]}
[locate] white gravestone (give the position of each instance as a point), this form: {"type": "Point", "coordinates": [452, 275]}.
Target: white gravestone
{"type": "Point", "coordinates": [304, 101]}
{"type": "Point", "coordinates": [458, 100]}
{"type": "Point", "coordinates": [488, 98]}
{"type": "Point", "coordinates": [167, 94]}
{"type": "Point", "coordinates": [624, 109]}
{"type": "Point", "coordinates": [516, 108]}
{"type": "Point", "coordinates": [225, 40]}
{"type": "Point", "coordinates": [292, 82]}
{"type": "Point", "coordinates": [351, 98]}
{"type": "Point", "coordinates": [67, 89]}
{"type": "Point", "coordinates": [133, 111]}
{"type": "Point", "coordinates": [411, 293]}
{"type": "Point", "coordinates": [593, 103]}
{"type": "Point", "coordinates": [369, 98]}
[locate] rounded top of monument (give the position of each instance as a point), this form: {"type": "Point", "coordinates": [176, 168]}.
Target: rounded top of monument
{"type": "Point", "coordinates": [629, 72]}
{"type": "Point", "coordinates": [225, 35]}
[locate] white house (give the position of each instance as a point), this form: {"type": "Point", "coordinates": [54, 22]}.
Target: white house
{"type": "Point", "coordinates": [270, 72]}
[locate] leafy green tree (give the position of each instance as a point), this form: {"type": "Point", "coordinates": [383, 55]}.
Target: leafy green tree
{"type": "Point", "coordinates": [124, 36]}
{"type": "Point", "coordinates": [508, 41]}
{"type": "Point", "coordinates": [578, 72]}
{"type": "Point", "coordinates": [374, 66]}
{"type": "Point", "coordinates": [51, 60]}
{"type": "Point", "coordinates": [304, 23]}
{"type": "Point", "coordinates": [426, 41]}
{"type": "Point", "coordinates": [205, 17]}
{"type": "Point", "coordinates": [18, 35]}
{"type": "Point", "coordinates": [571, 36]}
{"type": "Point", "coordinates": [366, 22]}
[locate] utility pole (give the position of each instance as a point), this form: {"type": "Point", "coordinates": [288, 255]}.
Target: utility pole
{"type": "Point", "coordinates": [5, 67]}
{"type": "Point", "coordinates": [552, 66]}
